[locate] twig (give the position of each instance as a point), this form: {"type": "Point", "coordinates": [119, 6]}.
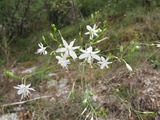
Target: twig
{"type": "Point", "coordinates": [33, 115]}
{"type": "Point", "coordinates": [22, 102]}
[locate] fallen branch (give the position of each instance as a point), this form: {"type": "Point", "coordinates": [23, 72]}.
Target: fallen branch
{"type": "Point", "coordinates": [22, 102]}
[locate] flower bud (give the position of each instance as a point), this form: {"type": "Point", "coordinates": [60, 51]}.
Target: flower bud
{"type": "Point", "coordinates": [9, 74]}
{"type": "Point", "coordinates": [92, 16]}
{"type": "Point", "coordinates": [51, 35]}
{"type": "Point", "coordinates": [137, 47]}
{"type": "Point", "coordinates": [85, 101]}
{"type": "Point", "coordinates": [129, 67]}
{"type": "Point", "coordinates": [43, 38]}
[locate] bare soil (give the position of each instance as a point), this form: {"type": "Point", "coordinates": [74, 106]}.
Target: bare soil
{"type": "Point", "coordinates": [126, 95]}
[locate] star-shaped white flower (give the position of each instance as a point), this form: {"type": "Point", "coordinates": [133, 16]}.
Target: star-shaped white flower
{"type": "Point", "coordinates": [23, 90]}
{"type": "Point", "coordinates": [41, 50]}
{"type": "Point", "coordinates": [158, 45]}
{"type": "Point", "coordinates": [92, 31]}
{"type": "Point", "coordinates": [68, 49]}
{"type": "Point", "coordinates": [63, 61]}
{"type": "Point", "coordinates": [104, 62]}
{"type": "Point", "coordinates": [89, 55]}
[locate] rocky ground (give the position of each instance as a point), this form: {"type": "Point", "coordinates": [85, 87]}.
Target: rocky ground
{"type": "Point", "coordinates": [126, 95]}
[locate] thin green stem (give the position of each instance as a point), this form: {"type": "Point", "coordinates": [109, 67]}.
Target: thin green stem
{"type": "Point", "coordinates": [83, 78]}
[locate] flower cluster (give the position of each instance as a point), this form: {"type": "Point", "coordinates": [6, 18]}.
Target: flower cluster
{"type": "Point", "coordinates": [68, 50]}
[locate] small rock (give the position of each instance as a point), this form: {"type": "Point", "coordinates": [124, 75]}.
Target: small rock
{"type": "Point", "coordinates": [52, 83]}
{"type": "Point", "coordinates": [12, 116]}
{"type": "Point", "coordinates": [147, 82]}
{"type": "Point", "coordinates": [29, 70]}
{"type": "Point", "coordinates": [63, 82]}
{"type": "Point", "coordinates": [52, 74]}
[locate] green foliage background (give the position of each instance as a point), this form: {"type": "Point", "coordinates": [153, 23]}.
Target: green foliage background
{"type": "Point", "coordinates": [22, 23]}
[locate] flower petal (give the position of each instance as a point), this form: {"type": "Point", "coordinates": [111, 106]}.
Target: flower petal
{"type": "Point", "coordinates": [61, 50]}
{"type": "Point", "coordinates": [76, 47]}
{"type": "Point", "coordinates": [158, 45]}
{"type": "Point", "coordinates": [82, 56]}
{"type": "Point", "coordinates": [72, 43]}
{"type": "Point", "coordinates": [40, 45]}
{"type": "Point", "coordinates": [45, 53]}
{"type": "Point", "coordinates": [89, 49]}
{"type": "Point", "coordinates": [17, 87]}
{"type": "Point", "coordinates": [94, 27]}
{"type": "Point", "coordinates": [102, 58]}
{"type": "Point", "coordinates": [88, 27]}
{"type": "Point", "coordinates": [87, 33]}
{"type": "Point", "coordinates": [96, 52]}
{"type": "Point", "coordinates": [28, 85]}
{"type": "Point", "coordinates": [96, 57]}
{"type": "Point", "coordinates": [65, 43]}
{"type": "Point", "coordinates": [84, 51]}
{"type": "Point", "coordinates": [73, 54]}
{"type": "Point", "coordinates": [20, 92]}
{"type": "Point", "coordinates": [31, 89]}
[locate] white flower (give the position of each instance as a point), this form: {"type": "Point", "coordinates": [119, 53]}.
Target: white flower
{"type": "Point", "coordinates": [89, 55]}
{"type": "Point", "coordinates": [68, 49]}
{"type": "Point", "coordinates": [63, 61]}
{"type": "Point", "coordinates": [92, 31]}
{"type": "Point", "coordinates": [158, 45]}
{"type": "Point", "coordinates": [41, 50]}
{"type": "Point", "coordinates": [23, 90]}
{"type": "Point", "coordinates": [104, 62]}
